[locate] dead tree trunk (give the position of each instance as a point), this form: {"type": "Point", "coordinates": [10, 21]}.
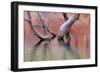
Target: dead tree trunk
{"type": "Point", "coordinates": [65, 28]}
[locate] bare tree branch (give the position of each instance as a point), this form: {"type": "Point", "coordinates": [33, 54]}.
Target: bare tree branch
{"type": "Point", "coordinates": [65, 16]}
{"type": "Point", "coordinates": [45, 26]}
{"type": "Point", "coordinates": [33, 27]}
{"type": "Point", "coordinates": [42, 19]}
{"type": "Point", "coordinates": [67, 35]}
{"type": "Point", "coordinates": [65, 28]}
{"type": "Point", "coordinates": [67, 25]}
{"type": "Point", "coordinates": [35, 30]}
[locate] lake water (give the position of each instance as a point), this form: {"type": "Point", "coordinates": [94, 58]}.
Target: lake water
{"type": "Point", "coordinates": [51, 50]}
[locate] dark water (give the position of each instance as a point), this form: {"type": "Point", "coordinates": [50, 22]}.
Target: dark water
{"type": "Point", "coordinates": [51, 50]}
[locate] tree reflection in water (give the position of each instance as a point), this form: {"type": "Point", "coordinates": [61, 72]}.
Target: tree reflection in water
{"type": "Point", "coordinates": [53, 50]}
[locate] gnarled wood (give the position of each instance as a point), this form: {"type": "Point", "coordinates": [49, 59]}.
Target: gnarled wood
{"type": "Point", "coordinates": [65, 28]}
{"type": "Point", "coordinates": [45, 26]}
{"type": "Point", "coordinates": [39, 35]}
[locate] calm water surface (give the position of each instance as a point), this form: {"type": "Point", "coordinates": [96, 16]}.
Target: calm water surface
{"type": "Point", "coordinates": [51, 50]}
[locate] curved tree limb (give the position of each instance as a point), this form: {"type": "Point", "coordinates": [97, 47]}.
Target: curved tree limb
{"type": "Point", "coordinates": [67, 25]}
{"type": "Point", "coordinates": [65, 28]}
{"type": "Point", "coordinates": [39, 35]}
{"type": "Point", "coordinates": [42, 18]}
{"type": "Point", "coordinates": [45, 26]}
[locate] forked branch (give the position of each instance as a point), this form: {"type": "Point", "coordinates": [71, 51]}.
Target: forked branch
{"type": "Point", "coordinates": [33, 27]}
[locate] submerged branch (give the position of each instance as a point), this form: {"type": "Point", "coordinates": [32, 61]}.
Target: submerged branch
{"type": "Point", "coordinates": [67, 25]}
{"type": "Point", "coordinates": [65, 28]}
